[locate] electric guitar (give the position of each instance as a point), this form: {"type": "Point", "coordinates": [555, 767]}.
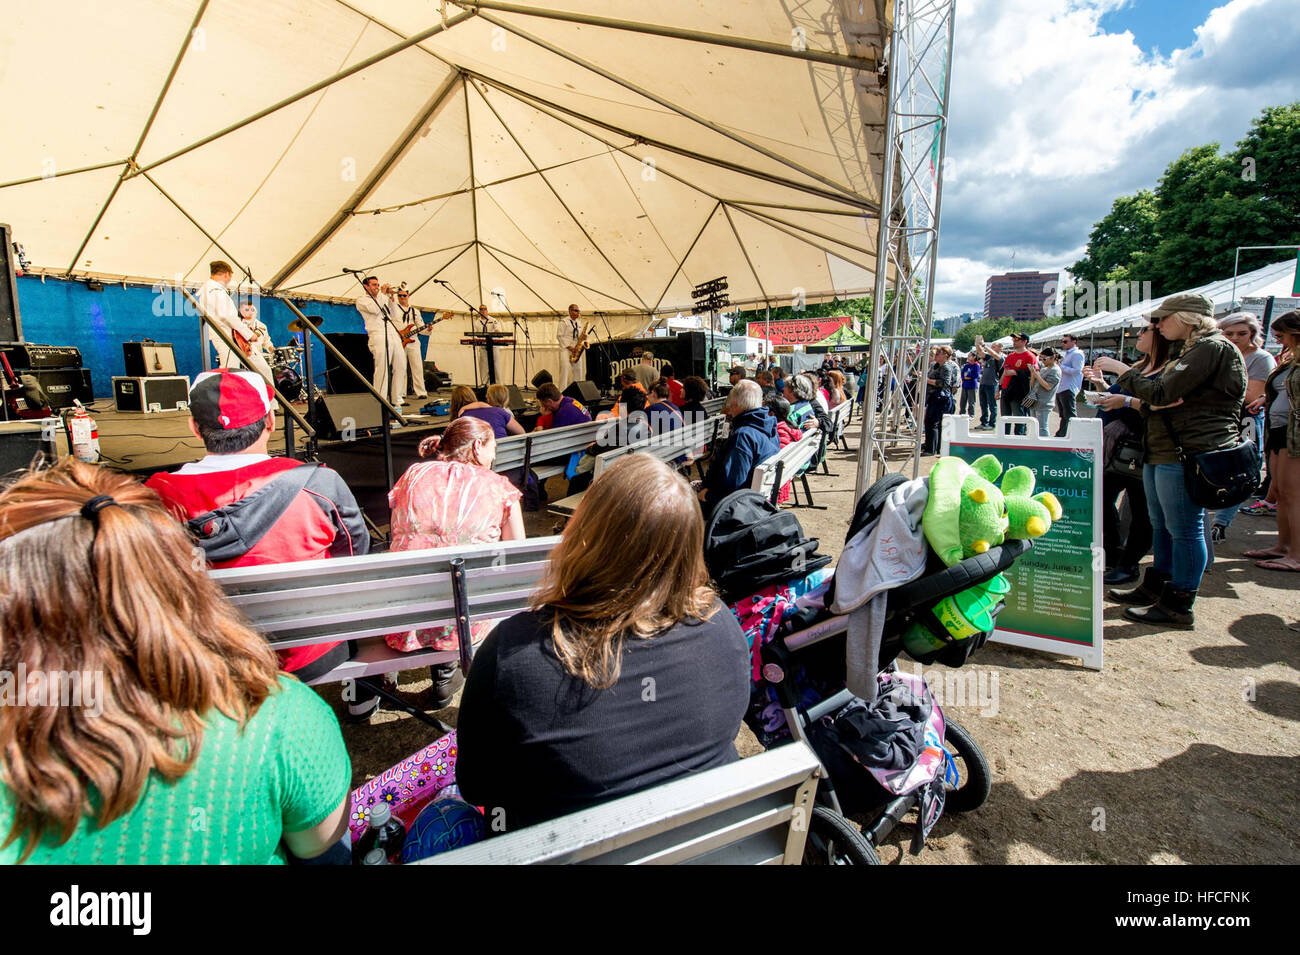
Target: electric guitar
{"type": "Point", "coordinates": [581, 345]}
{"type": "Point", "coordinates": [413, 331]}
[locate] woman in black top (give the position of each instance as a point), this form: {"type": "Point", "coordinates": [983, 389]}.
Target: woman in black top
{"type": "Point", "coordinates": [694, 390]}
{"type": "Point", "coordinates": [628, 672]}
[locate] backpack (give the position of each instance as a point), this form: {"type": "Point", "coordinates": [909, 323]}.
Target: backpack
{"type": "Point", "coordinates": [229, 532]}
{"type": "Point", "coordinates": [750, 543]}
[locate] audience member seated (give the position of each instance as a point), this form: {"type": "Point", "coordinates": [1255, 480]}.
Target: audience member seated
{"type": "Point", "coordinates": [453, 498]}
{"type": "Point", "coordinates": [179, 741]}
{"type": "Point", "coordinates": [291, 511]}
{"type": "Point", "coordinates": [677, 391]}
{"type": "Point", "coordinates": [736, 374]}
{"type": "Point", "coordinates": [462, 396]}
{"type": "Point", "coordinates": [627, 424]}
{"type": "Point", "coordinates": [786, 434]}
{"type": "Point", "coordinates": [627, 673]}
{"type": "Point", "coordinates": [494, 412]}
{"type": "Point", "coordinates": [695, 391]}
{"type": "Point", "coordinates": [559, 411]}
{"type": "Point", "coordinates": [663, 414]}
{"type": "Point", "coordinates": [799, 392]}
{"type": "Point", "coordinates": [835, 393]}
{"type": "Point", "coordinates": [751, 441]}
{"type": "Point", "coordinates": [764, 379]}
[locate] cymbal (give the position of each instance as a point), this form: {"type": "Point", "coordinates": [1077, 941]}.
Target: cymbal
{"type": "Point", "coordinates": [297, 326]}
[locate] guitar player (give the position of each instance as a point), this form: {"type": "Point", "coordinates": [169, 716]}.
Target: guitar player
{"type": "Point", "coordinates": [408, 317]}
{"type": "Point", "coordinates": [215, 297]}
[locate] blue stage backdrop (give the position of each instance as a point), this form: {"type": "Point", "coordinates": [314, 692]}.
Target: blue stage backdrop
{"type": "Point", "coordinates": [62, 312]}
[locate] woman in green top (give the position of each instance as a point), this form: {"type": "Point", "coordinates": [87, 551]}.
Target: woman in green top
{"type": "Point", "coordinates": [1197, 400]}
{"type": "Point", "coordinates": [141, 721]}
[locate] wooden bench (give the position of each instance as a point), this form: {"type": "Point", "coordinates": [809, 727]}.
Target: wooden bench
{"type": "Point", "coordinates": [668, 446]}
{"type": "Point", "coordinates": [752, 812]}
{"type": "Point", "coordinates": [364, 598]}
{"type": "Point", "coordinates": [772, 473]}
{"type": "Point", "coordinates": [545, 453]}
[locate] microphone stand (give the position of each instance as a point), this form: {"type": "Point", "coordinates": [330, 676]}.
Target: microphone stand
{"type": "Point", "coordinates": [514, 354]}
{"type": "Point", "coordinates": [609, 337]}
{"type": "Point", "coordinates": [474, 317]}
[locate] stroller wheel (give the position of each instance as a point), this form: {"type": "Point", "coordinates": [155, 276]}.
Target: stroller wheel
{"type": "Point", "coordinates": [974, 777]}
{"type": "Point", "coordinates": [832, 840]}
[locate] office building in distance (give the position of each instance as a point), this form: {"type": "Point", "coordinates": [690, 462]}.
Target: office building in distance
{"type": "Point", "coordinates": [1024, 295]}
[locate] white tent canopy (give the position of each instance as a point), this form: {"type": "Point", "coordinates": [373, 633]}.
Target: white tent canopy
{"type": "Point", "coordinates": [551, 156]}
{"type": "Point", "coordinates": [1226, 294]}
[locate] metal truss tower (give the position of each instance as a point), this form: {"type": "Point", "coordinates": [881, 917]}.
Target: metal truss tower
{"type": "Point", "coordinates": [919, 61]}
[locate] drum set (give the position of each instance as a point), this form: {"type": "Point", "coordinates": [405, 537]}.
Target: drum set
{"type": "Point", "coordinates": [287, 364]}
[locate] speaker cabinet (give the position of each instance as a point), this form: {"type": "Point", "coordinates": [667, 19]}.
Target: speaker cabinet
{"type": "Point", "coordinates": [356, 349]}
{"type": "Point", "coordinates": [64, 385]}
{"type": "Point", "coordinates": [347, 415]}
{"type": "Point", "coordinates": [146, 359]}
{"type": "Point", "coordinates": [584, 391]}
{"type": "Point", "coordinates": [21, 442]}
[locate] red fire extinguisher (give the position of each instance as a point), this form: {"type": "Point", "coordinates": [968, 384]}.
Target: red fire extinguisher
{"type": "Point", "coordinates": [85, 435]}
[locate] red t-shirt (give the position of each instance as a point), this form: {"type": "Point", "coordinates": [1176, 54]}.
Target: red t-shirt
{"type": "Point", "coordinates": [303, 532]}
{"type": "Point", "coordinates": [676, 392]}
{"type": "Point", "coordinates": [1015, 361]}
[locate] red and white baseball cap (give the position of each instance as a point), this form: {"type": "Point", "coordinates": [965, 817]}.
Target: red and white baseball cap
{"type": "Point", "coordinates": [230, 398]}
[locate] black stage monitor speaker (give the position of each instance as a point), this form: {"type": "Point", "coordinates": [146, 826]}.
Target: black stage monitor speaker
{"type": "Point", "coordinates": [584, 391]}
{"type": "Point", "coordinates": [145, 359]}
{"type": "Point", "coordinates": [541, 378]}
{"type": "Point", "coordinates": [349, 414]}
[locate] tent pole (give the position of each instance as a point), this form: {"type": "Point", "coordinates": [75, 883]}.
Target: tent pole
{"type": "Point", "coordinates": [372, 268]}
{"type": "Point", "coordinates": [316, 87]}
{"type": "Point", "coordinates": [745, 252]}
{"type": "Point", "coordinates": [672, 278]}
{"type": "Point", "coordinates": [846, 60]}
{"type": "Point", "coordinates": [148, 124]}
{"type": "Point", "coordinates": [520, 280]}
{"type": "Point", "coordinates": [473, 195]}
{"type": "Point", "coordinates": [66, 172]}
{"type": "Point", "coordinates": [668, 105]}
{"type": "Point", "coordinates": [771, 224]}
{"type": "Point", "coordinates": [466, 248]}
{"type": "Point", "coordinates": [774, 221]}
{"type": "Point", "coordinates": [369, 184]}
{"type": "Point", "coordinates": [194, 222]}
{"type": "Point", "coordinates": [560, 199]}
{"type": "Point", "coordinates": [566, 278]}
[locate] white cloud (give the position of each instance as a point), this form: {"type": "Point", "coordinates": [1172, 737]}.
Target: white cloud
{"type": "Point", "coordinates": [1052, 119]}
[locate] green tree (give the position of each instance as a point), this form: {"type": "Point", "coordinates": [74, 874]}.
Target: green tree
{"type": "Point", "coordinates": [1121, 242]}
{"type": "Point", "coordinates": [1266, 166]}
{"type": "Point", "coordinates": [994, 328]}
{"type": "Point", "coordinates": [1198, 220]}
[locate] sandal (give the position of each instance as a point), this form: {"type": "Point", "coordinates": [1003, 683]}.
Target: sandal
{"type": "Point", "coordinates": [1265, 554]}
{"type": "Point", "coordinates": [1277, 565]}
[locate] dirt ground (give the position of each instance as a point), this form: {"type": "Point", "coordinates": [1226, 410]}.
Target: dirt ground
{"type": "Point", "coordinates": [1184, 749]}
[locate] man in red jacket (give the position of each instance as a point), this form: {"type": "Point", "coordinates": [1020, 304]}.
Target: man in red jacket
{"type": "Point", "coordinates": [291, 511]}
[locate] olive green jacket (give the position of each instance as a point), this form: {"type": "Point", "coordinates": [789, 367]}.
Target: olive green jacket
{"type": "Point", "coordinates": [1210, 377]}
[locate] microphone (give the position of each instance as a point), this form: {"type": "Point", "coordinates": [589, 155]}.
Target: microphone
{"type": "Point", "coordinates": [353, 271]}
{"type": "Point", "coordinates": [440, 281]}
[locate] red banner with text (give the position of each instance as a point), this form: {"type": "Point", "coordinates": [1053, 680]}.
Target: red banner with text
{"type": "Point", "coordinates": [799, 331]}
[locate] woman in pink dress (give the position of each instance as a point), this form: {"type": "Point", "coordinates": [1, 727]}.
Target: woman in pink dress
{"type": "Point", "coordinates": [452, 498]}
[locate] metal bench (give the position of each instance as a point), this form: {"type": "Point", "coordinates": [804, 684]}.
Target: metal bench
{"type": "Point", "coordinates": [364, 598]}
{"type": "Point", "coordinates": [545, 453]}
{"type": "Point", "coordinates": [713, 405]}
{"type": "Point", "coordinates": [771, 474]}
{"type": "Point", "coordinates": [840, 416]}
{"type": "Point", "coordinates": [683, 441]}
{"type": "Point", "coordinates": [752, 812]}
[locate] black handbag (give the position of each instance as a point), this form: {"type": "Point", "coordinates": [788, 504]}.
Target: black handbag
{"type": "Point", "coordinates": [1128, 457]}
{"type": "Point", "coordinates": [1218, 479]}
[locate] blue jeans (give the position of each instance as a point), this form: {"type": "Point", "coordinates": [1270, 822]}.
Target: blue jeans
{"type": "Point", "coordinates": [1178, 526]}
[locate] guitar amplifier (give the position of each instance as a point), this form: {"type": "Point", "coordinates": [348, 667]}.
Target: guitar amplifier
{"type": "Point", "coordinates": [26, 355]}
{"type": "Point", "coordinates": [148, 359]}
{"type": "Point", "coordinates": [152, 394]}
{"type": "Point", "coordinates": [63, 386]}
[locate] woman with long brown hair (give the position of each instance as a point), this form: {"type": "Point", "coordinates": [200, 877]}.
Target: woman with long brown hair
{"type": "Point", "coordinates": [627, 671]}
{"type": "Point", "coordinates": [179, 741]}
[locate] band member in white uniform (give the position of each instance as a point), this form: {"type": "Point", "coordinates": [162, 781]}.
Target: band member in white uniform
{"type": "Point", "coordinates": [483, 322]}
{"type": "Point", "coordinates": [216, 301]}
{"type": "Point", "coordinates": [568, 333]}
{"type": "Point", "coordinates": [407, 314]}
{"type": "Point", "coordinates": [376, 308]}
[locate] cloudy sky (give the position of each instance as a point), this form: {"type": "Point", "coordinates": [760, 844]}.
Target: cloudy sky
{"type": "Point", "coordinates": [1059, 106]}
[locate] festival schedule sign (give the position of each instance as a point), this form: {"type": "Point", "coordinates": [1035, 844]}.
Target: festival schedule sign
{"type": "Point", "coordinates": [799, 331]}
{"type": "Point", "coordinates": [1055, 600]}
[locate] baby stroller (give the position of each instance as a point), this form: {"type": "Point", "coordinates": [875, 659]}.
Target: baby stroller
{"type": "Point", "coordinates": [799, 677]}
